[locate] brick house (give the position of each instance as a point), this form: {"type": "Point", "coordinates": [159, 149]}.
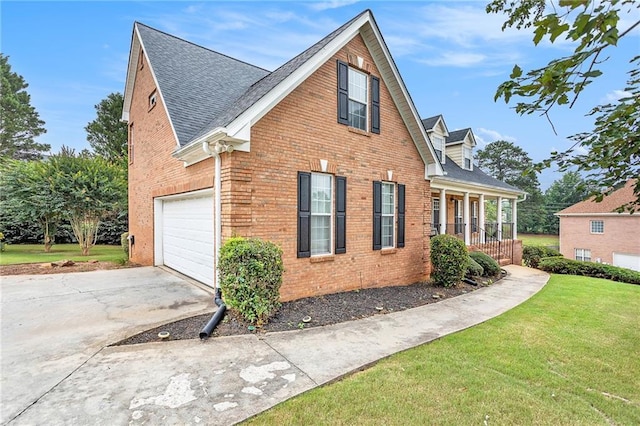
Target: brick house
{"type": "Point", "coordinates": [594, 232]}
{"type": "Point", "coordinates": [326, 156]}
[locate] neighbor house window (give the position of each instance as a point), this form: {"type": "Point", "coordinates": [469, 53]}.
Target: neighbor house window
{"type": "Point", "coordinates": [438, 146]}
{"type": "Point", "coordinates": [321, 211]}
{"type": "Point", "coordinates": [357, 92]}
{"type": "Point", "coordinates": [597, 227]}
{"type": "Point", "coordinates": [583, 254]}
{"type": "Point", "coordinates": [388, 215]}
{"type": "Point", "coordinates": [468, 158]}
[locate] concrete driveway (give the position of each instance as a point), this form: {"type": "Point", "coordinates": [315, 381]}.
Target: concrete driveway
{"type": "Point", "coordinates": [53, 324]}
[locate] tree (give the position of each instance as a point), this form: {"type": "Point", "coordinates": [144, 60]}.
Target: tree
{"type": "Point", "coordinates": [92, 190]}
{"type": "Point", "coordinates": [509, 163]}
{"type": "Point", "coordinates": [613, 145]}
{"type": "Point", "coordinates": [19, 121]}
{"type": "Point", "coordinates": [107, 135]}
{"type": "Point", "coordinates": [564, 192]}
{"type": "Point", "coordinates": [28, 195]}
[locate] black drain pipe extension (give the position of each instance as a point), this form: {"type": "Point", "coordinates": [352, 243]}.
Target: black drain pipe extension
{"type": "Point", "coordinates": [217, 316]}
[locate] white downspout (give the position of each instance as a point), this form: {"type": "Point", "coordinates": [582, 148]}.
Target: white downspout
{"type": "Point", "coordinates": [217, 206]}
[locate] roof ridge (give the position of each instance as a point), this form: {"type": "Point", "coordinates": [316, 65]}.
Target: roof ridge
{"type": "Point", "coordinates": [199, 46]}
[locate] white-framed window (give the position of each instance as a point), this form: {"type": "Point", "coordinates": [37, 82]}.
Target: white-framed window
{"type": "Point", "coordinates": [388, 214]}
{"type": "Point", "coordinates": [474, 216]}
{"type": "Point", "coordinates": [458, 216]}
{"type": "Point", "coordinates": [597, 226]}
{"type": "Point", "coordinates": [468, 158]}
{"type": "Point", "coordinates": [435, 213]}
{"type": "Point", "coordinates": [438, 146]}
{"type": "Point", "coordinates": [583, 254]}
{"type": "Point", "coordinates": [321, 213]}
{"type": "Point", "coordinates": [358, 98]}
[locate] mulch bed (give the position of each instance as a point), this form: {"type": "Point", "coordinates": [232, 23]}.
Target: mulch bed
{"type": "Point", "coordinates": [47, 268]}
{"type": "Point", "coordinates": [322, 310]}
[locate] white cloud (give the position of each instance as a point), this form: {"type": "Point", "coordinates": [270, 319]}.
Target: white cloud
{"type": "Point", "coordinates": [615, 96]}
{"type": "Point", "coordinates": [333, 4]}
{"type": "Point", "coordinates": [454, 59]}
{"type": "Point", "coordinates": [490, 136]}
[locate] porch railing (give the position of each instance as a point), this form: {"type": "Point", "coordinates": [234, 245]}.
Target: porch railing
{"type": "Point", "coordinates": [494, 240]}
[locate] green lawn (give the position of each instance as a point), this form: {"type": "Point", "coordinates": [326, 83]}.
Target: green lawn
{"type": "Point", "coordinates": [568, 356]}
{"type": "Point", "coordinates": [539, 240]}
{"type": "Point", "coordinates": [34, 253]}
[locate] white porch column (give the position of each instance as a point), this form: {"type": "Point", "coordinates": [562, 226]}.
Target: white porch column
{"type": "Point", "coordinates": [499, 218]}
{"type": "Point", "coordinates": [514, 218]}
{"type": "Point", "coordinates": [466, 217]}
{"type": "Point", "coordinates": [481, 224]}
{"type": "Point", "coordinates": [443, 211]}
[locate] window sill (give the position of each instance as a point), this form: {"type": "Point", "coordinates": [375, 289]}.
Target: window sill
{"type": "Point", "coordinates": [386, 251]}
{"type": "Point", "coordinates": [322, 258]}
{"type": "Point", "coordinates": [359, 131]}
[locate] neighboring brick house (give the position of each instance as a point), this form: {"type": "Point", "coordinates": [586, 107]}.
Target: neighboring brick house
{"type": "Point", "coordinates": [325, 156]}
{"type": "Point", "coordinates": [594, 232]}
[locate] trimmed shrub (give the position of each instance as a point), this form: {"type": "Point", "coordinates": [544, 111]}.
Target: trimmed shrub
{"type": "Point", "coordinates": [124, 242]}
{"type": "Point", "coordinates": [250, 277]}
{"type": "Point", "coordinates": [531, 255]}
{"type": "Point", "coordinates": [490, 266]}
{"type": "Point", "coordinates": [560, 265]}
{"type": "Point", "coordinates": [449, 259]}
{"type": "Point", "coordinates": [473, 268]}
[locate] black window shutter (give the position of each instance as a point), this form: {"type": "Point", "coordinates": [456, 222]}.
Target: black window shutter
{"type": "Point", "coordinates": [375, 105]}
{"type": "Point", "coordinates": [400, 237]}
{"type": "Point", "coordinates": [377, 215]}
{"type": "Point", "coordinates": [304, 214]}
{"type": "Point", "coordinates": [343, 93]}
{"type": "Point", "coordinates": [341, 215]}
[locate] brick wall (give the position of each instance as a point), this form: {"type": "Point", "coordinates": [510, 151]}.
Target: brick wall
{"type": "Point", "coordinates": [153, 172]}
{"type": "Point", "coordinates": [259, 188]}
{"type": "Point", "coordinates": [621, 235]}
{"type": "Point", "coordinates": [293, 137]}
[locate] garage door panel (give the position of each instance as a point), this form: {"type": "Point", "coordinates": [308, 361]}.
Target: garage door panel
{"type": "Point", "coordinates": [624, 260]}
{"type": "Point", "coordinates": [188, 237]}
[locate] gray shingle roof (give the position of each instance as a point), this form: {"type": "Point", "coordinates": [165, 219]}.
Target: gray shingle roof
{"type": "Point", "coordinates": [477, 176]}
{"type": "Point", "coordinates": [456, 136]}
{"type": "Point", "coordinates": [428, 123]}
{"type": "Point", "coordinates": [265, 85]}
{"type": "Point", "coordinates": [196, 83]}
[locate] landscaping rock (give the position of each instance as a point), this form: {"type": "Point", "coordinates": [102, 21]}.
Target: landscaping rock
{"type": "Point", "coordinates": [63, 263]}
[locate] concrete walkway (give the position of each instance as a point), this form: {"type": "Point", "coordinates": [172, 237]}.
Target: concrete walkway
{"type": "Point", "coordinates": [226, 380]}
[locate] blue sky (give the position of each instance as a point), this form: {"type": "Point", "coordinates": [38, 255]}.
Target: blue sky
{"type": "Point", "coordinates": [451, 55]}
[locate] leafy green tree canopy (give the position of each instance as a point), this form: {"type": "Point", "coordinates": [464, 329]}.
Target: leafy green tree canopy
{"type": "Point", "coordinates": [107, 135]}
{"type": "Point", "coordinates": [571, 188]}
{"type": "Point", "coordinates": [19, 121]}
{"type": "Point", "coordinates": [613, 145]}
{"type": "Point", "coordinates": [509, 163]}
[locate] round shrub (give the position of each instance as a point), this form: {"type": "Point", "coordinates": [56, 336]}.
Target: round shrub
{"type": "Point", "coordinates": [489, 265]}
{"type": "Point", "coordinates": [531, 255]}
{"type": "Point", "coordinates": [250, 277]}
{"type": "Point", "coordinates": [124, 242]}
{"type": "Point", "coordinates": [473, 268]}
{"type": "Point", "coordinates": [449, 259]}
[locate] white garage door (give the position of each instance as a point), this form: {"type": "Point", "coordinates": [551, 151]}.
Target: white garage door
{"type": "Point", "coordinates": [631, 261]}
{"type": "Point", "coordinates": [187, 237]}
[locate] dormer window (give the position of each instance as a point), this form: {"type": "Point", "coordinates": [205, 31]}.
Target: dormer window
{"type": "Point", "coordinates": [468, 158]}
{"type": "Point", "coordinates": [438, 146]}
